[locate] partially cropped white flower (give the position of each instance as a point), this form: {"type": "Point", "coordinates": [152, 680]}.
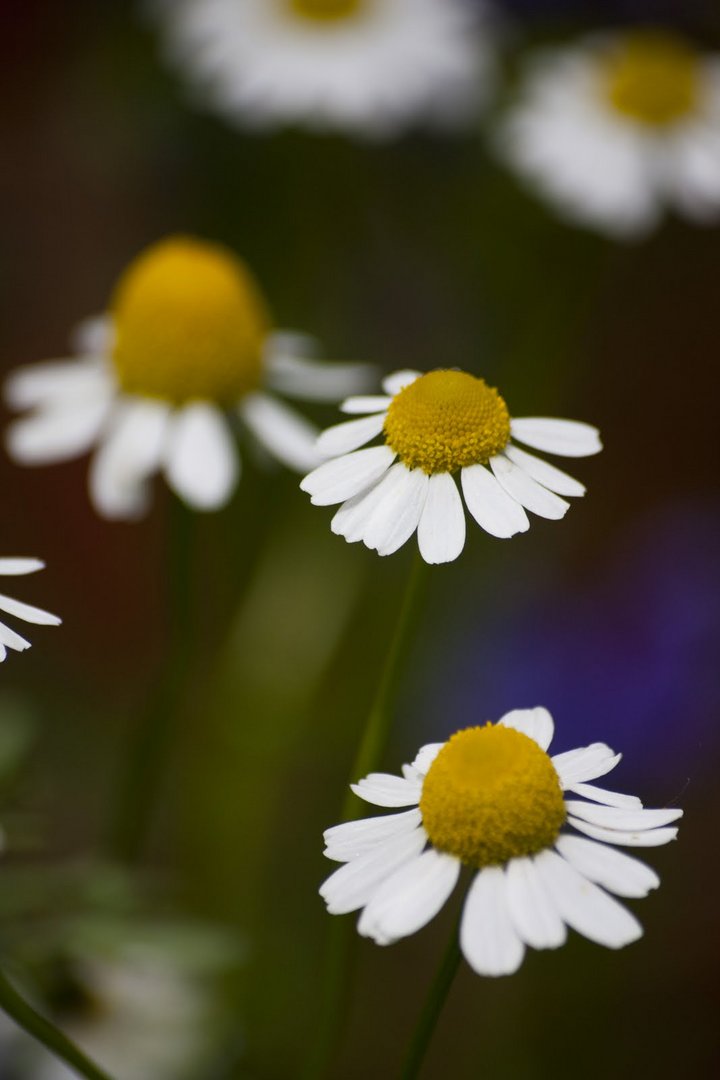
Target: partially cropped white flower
{"type": "Point", "coordinates": [614, 130]}
{"type": "Point", "coordinates": [9, 639]}
{"type": "Point", "coordinates": [491, 799]}
{"type": "Point", "coordinates": [186, 353]}
{"type": "Point", "coordinates": [368, 66]}
{"type": "Point", "coordinates": [437, 425]}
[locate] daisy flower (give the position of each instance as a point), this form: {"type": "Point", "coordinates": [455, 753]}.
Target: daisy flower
{"type": "Point", "coordinates": [616, 128]}
{"type": "Point", "coordinates": [9, 639]}
{"type": "Point", "coordinates": [435, 425]}
{"type": "Point", "coordinates": [492, 799]}
{"type": "Point", "coordinates": [186, 350]}
{"type": "Point", "coordinates": [368, 66]}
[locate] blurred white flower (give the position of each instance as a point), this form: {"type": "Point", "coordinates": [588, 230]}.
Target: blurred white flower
{"type": "Point", "coordinates": [9, 639]}
{"type": "Point", "coordinates": [367, 66]}
{"type": "Point", "coordinates": [614, 130]}
{"type": "Point", "coordinates": [438, 424]}
{"type": "Point", "coordinates": [493, 800]}
{"type": "Point", "coordinates": [186, 348]}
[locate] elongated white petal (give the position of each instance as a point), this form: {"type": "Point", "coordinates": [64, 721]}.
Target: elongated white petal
{"type": "Point", "coordinates": [130, 454]}
{"type": "Point", "coordinates": [494, 510]}
{"type": "Point", "coordinates": [585, 907]}
{"type": "Point", "coordinates": [488, 938]}
{"type": "Point", "coordinates": [12, 640]}
{"type": "Point", "coordinates": [384, 789]}
{"type": "Point", "coordinates": [537, 723]}
{"type": "Point", "coordinates": [56, 434]}
{"type": "Point", "coordinates": [614, 870]}
{"type": "Point", "coordinates": [608, 798]}
{"type": "Point", "coordinates": [343, 438]}
{"type": "Point", "coordinates": [337, 480]}
{"type": "Point", "coordinates": [410, 898]}
{"type": "Point", "coordinates": [426, 755]}
{"type": "Point", "coordinates": [534, 915]}
{"type": "Point", "coordinates": [352, 838]}
{"type": "Point", "coordinates": [397, 509]}
{"type": "Point", "coordinates": [614, 817]}
{"type": "Point", "coordinates": [526, 491]}
{"type": "Point", "coordinates": [370, 403]}
{"type": "Point", "coordinates": [640, 838]}
{"type": "Point", "coordinates": [352, 885]}
{"type": "Point", "coordinates": [312, 380]}
{"type": "Point", "coordinates": [15, 566]}
{"type": "Point", "coordinates": [548, 475]}
{"type": "Point", "coordinates": [288, 436]}
{"type": "Point", "coordinates": [353, 516]}
{"type": "Point", "coordinates": [398, 380]}
{"type": "Point", "coordinates": [201, 462]}
{"type": "Point", "coordinates": [94, 336]}
{"type": "Point", "coordinates": [584, 763]}
{"type": "Point", "coordinates": [28, 613]}
{"type": "Point", "coordinates": [441, 530]}
{"type": "Point", "coordinates": [567, 438]}
{"type": "Point", "coordinates": [56, 385]}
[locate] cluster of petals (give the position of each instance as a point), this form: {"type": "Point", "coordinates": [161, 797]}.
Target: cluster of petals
{"type": "Point", "coordinates": [399, 881]}
{"type": "Point", "coordinates": [10, 639]}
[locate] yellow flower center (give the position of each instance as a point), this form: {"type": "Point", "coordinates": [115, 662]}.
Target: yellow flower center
{"type": "Point", "coordinates": [325, 10]}
{"type": "Point", "coordinates": [189, 323]}
{"type": "Point", "coordinates": [653, 78]}
{"type": "Point", "coordinates": [446, 420]}
{"type": "Point", "coordinates": [491, 795]}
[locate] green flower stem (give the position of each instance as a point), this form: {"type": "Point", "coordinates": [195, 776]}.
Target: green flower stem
{"type": "Point", "coordinates": [46, 1033]}
{"type": "Point", "coordinates": [337, 974]}
{"type": "Point", "coordinates": [151, 741]}
{"type": "Point", "coordinates": [432, 1008]}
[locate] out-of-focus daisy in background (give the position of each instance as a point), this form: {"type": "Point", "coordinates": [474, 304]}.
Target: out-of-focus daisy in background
{"type": "Point", "coordinates": [186, 349]}
{"type": "Point", "coordinates": [439, 424]}
{"type": "Point", "coordinates": [368, 66]}
{"type": "Point", "coordinates": [618, 128]}
{"type": "Point", "coordinates": [9, 639]}
{"type": "Point", "coordinates": [492, 799]}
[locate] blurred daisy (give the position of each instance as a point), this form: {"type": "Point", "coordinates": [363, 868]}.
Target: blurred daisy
{"type": "Point", "coordinates": [186, 349]}
{"type": "Point", "coordinates": [493, 800]}
{"type": "Point", "coordinates": [9, 639]}
{"type": "Point", "coordinates": [369, 66]}
{"type": "Point", "coordinates": [438, 424]}
{"type": "Point", "coordinates": [614, 129]}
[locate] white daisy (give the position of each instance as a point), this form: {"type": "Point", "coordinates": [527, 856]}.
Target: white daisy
{"type": "Point", "coordinates": [9, 639]}
{"type": "Point", "coordinates": [438, 424]}
{"type": "Point", "coordinates": [369, 66]}
{"type": "Point", "coordinates": [186, 349]}
{"type": "Point", "coordinates": [493, 800]}
{"type": "Point", "coordinates": [616, 128]}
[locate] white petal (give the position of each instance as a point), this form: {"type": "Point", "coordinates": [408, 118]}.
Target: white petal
{"type": "Point", "coordinates": [354, 883]}
{"type": "Point", "coordinates": [493, 509]}
{"type": "Point", "coordinates": [584, 763]}
{"type": "Point", "coordinates": [384, 789]}
{"type": "Point", "coordinates": [426, 755]}
{"type": "Point", "coordinates": [614, 817]}
{"type": "Point", "coordinates": [312, 380]}
{"type": "Point", "coordinates": [398, 505]}
{"type": "Point", "coordinates": [614, 870]}
{"type": "Point", "coordinates": [547, 475]}
{"type": "Point", "coordinates": [568, 438]}
{"type": "Point", "coordinates": [56, 434]}
{"type": "Point", "coordinates": [352, 518]}
{"type": "Point", "coordinates": [12, 640]}
{"type": "Point", "coordinates": [608, 798]}
{"type": "Point", "coordinates": [488, 938]}
{"type": "Point", "coordinates": [585, 907]}
{"type": "Point", "coordinates": [130, 454]}
{"type": "Point", "coordinates": [398, 380]}
{"type": "Point", "coordinates": [337, 480]}
{"type": "Point", "coordinates": [289, 437]}
{"type": "Point", "coordinates": [409, 899]}
{"type": "Point", "coordinates": [528, 492]}
{"type": "Point", "coordinates": [642, 838]}
{"type": "Point", "coordinates": [28, 613]}
{"type": "Point", "coordinates": [534, 915]}
{"type": "Point", "coordinates": [14, 566]}
{"type": "Point", "coordinates": [370, 403]}
{"type": "Point", "coordinates": [537, 723]}
{"type": "Point", "coordinates": [343, 438]}
{"type": "Point", "coordinates": [58, 384]}
{"type": "Point", "coordinates": [352, 838]}
{"type": "Point", "coordinates": [201, 460]}
{"type": "Point", "coordinates": [93, 336]}
{"type": "Point", "coordinates": [441, 530]}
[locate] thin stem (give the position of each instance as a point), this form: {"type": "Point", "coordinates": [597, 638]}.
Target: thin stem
{"type": "Point", "coordinates": [432, 1008]}
{"type": "Point", "coordinates": [46, 1033]}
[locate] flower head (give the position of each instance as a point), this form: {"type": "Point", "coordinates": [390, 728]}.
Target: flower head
{"type": "Point", "coordinates": [617, 127]}
{"type": "Point", "coordinates": [434, 426]}
{"type": "Point", "coordinates": [493, 800]}
{"type": "Point", "coordinates": [187, 345]}
{"type": "Point", "coordinates": [9, 639]}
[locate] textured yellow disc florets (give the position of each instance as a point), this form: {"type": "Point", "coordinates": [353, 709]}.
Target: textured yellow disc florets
{"type": "Point", "coordinates": [491, 795]}
{"type": "Point", "coordinates": [653, 78]}
{"type": "Point", "coordinates": [446, 420]}
{"type": "Point", "coordinates": [189, 323]}
{"type": "Point", "coordinates": [325, 10]}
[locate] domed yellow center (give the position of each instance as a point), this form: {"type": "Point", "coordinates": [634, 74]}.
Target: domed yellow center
{"type": "Point", "coordinates": [653, 78]}
{"type": "Point", "coordinates": [325, 10]}
{"type": "Point", "coordinates": [189, 323]}
{"type": "Point", "coordinates": [446, 420]}
{"type": "Point", "coordinates": [491, 795]}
